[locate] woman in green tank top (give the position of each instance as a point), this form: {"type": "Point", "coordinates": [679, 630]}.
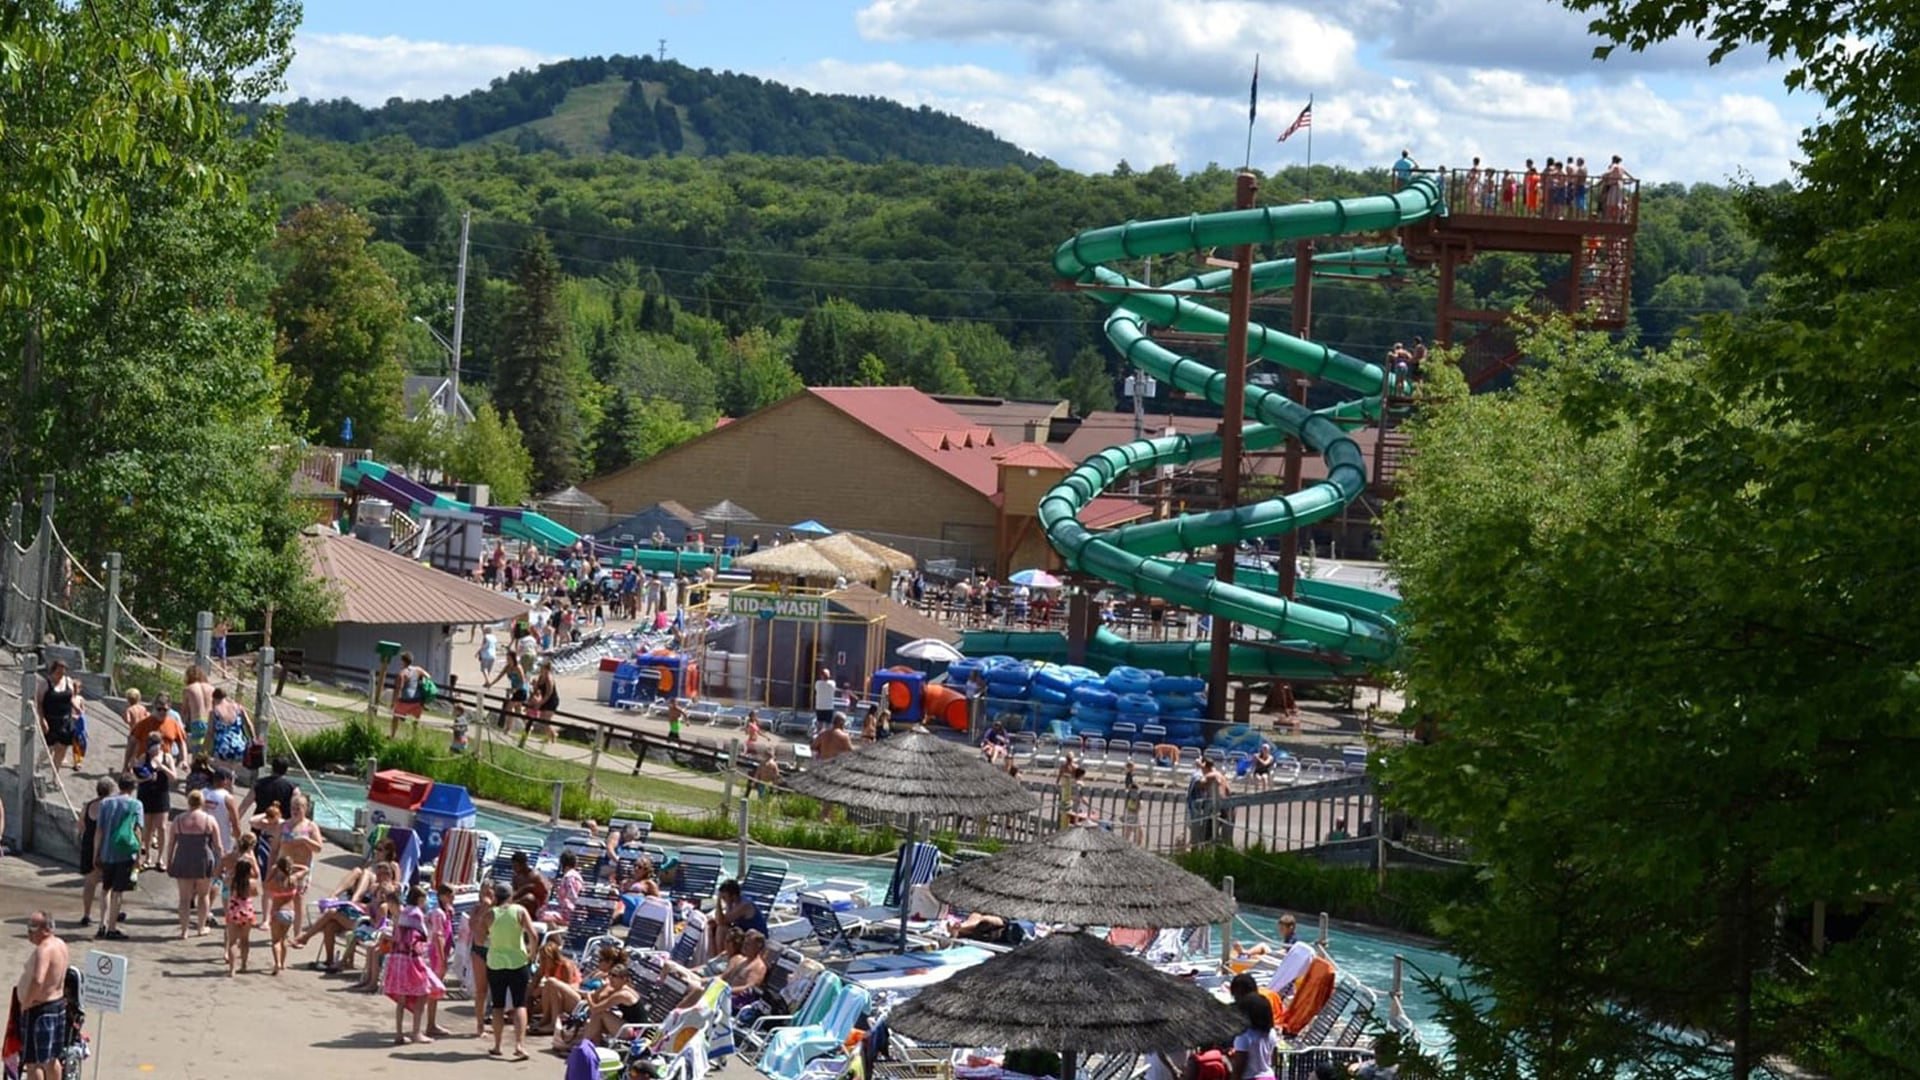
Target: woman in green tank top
{"type": "Point", "coordinates": [509, 941]}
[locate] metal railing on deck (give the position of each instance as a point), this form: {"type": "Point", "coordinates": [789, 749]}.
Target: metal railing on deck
{"type": "Point", "coordinates": [1543, 196]}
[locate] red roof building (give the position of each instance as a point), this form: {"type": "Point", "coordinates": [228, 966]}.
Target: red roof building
{"type": "Point", "coordinates": [886, 460]}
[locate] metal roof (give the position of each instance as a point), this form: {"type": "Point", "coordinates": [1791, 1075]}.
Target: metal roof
{"type": "Point", "coordinates": [378, 588]}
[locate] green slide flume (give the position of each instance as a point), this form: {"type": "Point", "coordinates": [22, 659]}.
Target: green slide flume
{"type": "Point", "coordinates": [1327, 631]}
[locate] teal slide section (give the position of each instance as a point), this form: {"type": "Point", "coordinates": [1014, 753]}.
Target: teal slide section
{"type": "Point", "coordinates": [1325, 631]}
{"type": "Point", "coordinates": [381, 481]}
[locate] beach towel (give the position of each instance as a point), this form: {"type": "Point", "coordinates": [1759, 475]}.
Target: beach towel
{"type": "Point", "coordinates": [1293, 964]}
{"type": "Point", "coordinates": [459, 862]}
{"type": "Point", "coordinates": [1316, 986]}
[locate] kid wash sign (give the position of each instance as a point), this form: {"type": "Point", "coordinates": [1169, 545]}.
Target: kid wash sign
{"type": "Point", "coordinates": [771, 606]}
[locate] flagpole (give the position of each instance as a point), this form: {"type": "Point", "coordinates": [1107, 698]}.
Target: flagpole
{"type": "Point", "coordinates": [1253, 109]}
{"type": "Point", "coordinates": [1309, 185]}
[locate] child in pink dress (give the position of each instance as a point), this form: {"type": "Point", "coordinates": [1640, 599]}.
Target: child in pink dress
{"type": "Point", "coordinates": [408, 979]}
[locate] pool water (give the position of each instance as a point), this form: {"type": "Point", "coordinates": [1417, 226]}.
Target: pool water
{"type": "Point", "coordinates": [1367, 957]}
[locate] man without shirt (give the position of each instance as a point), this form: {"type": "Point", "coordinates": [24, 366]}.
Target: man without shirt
{"type": "Point", "coordinates": [43, 1001]}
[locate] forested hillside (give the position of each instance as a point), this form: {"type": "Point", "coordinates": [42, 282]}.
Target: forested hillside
{"type": "Point", "coordinates": [642, 106]}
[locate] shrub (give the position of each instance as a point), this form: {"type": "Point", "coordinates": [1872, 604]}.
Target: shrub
{"type": "Point", "coordinates": [1412, 902]}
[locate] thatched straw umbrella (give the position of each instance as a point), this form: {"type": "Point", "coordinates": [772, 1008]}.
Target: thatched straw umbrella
{"type": "Point", "coordinates": [1070, 993]}
{"type": "Point", "coordinates": [913, 774]}
{"type": "Point", "coordinates": [791, 561]}
{"type": "Point", "coordinates": [897, 561]}
{"type": "Point", "coordinates": [728, 512]}
{"type": "Point", "coordinates": [856, 562]}
{"type": "Point", "coordinates": [1087, 877]}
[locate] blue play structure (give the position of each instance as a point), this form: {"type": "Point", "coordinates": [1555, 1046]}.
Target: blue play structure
{"type": "Point", "coordinates": [1138, 702]}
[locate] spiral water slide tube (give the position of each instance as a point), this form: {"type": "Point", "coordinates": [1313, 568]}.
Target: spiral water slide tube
{"type": "Point", "coordinates": [1330, 630]}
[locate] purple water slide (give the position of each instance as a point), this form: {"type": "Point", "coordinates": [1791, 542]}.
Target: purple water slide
{"type": "Point", "coordinates": [411, 491]}
{"type": "Point", "coordinates": [403, 498]}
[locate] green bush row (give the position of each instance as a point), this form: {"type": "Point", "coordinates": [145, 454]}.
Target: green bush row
{"type": "Point", "coordinates": [785, 821]}
{"type": "Point", "coordinates": [1409, 903]}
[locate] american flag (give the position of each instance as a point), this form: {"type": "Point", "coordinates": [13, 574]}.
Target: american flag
{"type": "Point", "coordinates": [1304, 120]}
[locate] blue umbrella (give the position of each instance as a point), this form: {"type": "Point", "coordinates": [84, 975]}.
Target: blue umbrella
{"type": "Point", "coordinates": [812, 526]}
{"type": "Point", "coordinates": [1035, 579]}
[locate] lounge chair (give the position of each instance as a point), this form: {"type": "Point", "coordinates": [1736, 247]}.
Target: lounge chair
{"type": "Point", "coordinates": [834, 935]}
{"type": "Point", "coordinates": [691, 945]}
{"type": "Point", "coordinates": [700, 870]}
{"type": "Point", "coordinates": [761, 887]}
{"type": "Point", "coordinates": [820, 998]}
{"type": "Point", "coordinates": [789, 1049]}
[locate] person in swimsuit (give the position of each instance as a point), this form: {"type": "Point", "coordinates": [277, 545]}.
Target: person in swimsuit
{"type": "Point", "coordinates": [479, 926]}
{"type": "Point", "coordinates": [284, 884]}
{"type": "Point", "coordinates": [41, 995]}
{"type": "Point", "coordinates": [196, 704]}
{"type": "Point", "coordinates": [193, 857]}
{"type": "Point", "coordinates": [103, 788]}
{"type": "Point", "coordinates": [514, 703]}
{"type": "Point", "coordinates": [241, 916]}
{"type": "Point", "coordinates": [232, 731]}
{"type": "Point", "coordinates": [154, 776]}
{"type": "Point", "coordinates": [58, 703]}
{"type": "Point", "coordinates": [409, 978]}
{"type": "Point", "coordinates": [299, 839]}
{"type": "Point", "coordinates": [1263, 763]}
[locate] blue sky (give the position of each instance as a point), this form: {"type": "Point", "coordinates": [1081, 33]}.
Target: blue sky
{"type": "Point", "coordinates": [1092, 82]}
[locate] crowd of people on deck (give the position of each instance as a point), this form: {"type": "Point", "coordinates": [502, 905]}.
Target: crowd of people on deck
{"type": "Point", "coordinates": [1561, 189]}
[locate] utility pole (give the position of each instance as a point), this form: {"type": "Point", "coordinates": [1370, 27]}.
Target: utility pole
{"type": "Point", "coordinates": [1239, 314]}
{"type": "Point", "coordinates": [1134, 389]}
{"type": "Point", "coordinates": [459, 312]}
{"type": "Point", "coordinates": [663, 50]}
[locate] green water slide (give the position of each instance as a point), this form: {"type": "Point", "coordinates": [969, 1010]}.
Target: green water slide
{"type": "Point", "coordinates": [1324, 631]}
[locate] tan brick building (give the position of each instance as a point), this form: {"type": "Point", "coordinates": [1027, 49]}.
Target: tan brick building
{"type": "Point", "coordinates": [884, 459]}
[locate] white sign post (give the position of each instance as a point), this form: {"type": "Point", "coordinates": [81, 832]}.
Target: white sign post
{"type": "Point", "coordinates": [103, 989]}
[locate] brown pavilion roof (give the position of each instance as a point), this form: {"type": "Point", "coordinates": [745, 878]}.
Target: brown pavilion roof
{"type": "Point", "coordinates": [378, 588]}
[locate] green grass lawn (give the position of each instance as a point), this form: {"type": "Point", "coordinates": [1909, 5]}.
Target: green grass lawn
{"type": "Point", "coordinates": [527, 773]}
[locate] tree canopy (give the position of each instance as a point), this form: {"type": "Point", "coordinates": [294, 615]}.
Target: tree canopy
{"type": "Point", "coordinates": [1657, 614]}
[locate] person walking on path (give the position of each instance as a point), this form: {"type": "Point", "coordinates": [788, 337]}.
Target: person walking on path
{"type": "Point", "coordinates": [196, 707]}
{"type": "Point", "coordinates": [154, 775]}
{"type": "Point", "coordinates": [42, 997]}
{"type": "Point", "coordinates": [243, 914]}
{"type": "Point", "coordinates": [231, 731]}
{"type": "Point", "coordinates": [284, 884]}
{"type": "Point", "coordinates": [89, 830]}
{"type": "Point", "coordinates": [193, 857]}
{"type": "Point", "coordinates": [509, 947]}
{"type": "Point", "coordinates": [57, 704]}
{"type": "Point", "coordinates": [407, 977]}
{"type": "Point", "coordinates": [116, 848]}
{"type": "Point", "coordinates": [408, 701]}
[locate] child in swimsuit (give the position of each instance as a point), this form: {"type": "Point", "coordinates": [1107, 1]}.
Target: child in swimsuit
{"type": "Point", "coordinates": [241, 917]}
{"type": "Point", "coordinates": [283, 893]}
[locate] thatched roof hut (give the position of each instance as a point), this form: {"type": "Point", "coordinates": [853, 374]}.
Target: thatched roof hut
{"type": "Point", "coordinates": [791, 562]}
{"type": "Point", "coordinates": [896, 560]}
{"type": "Point", "coordinates": [1085, 877]}
{"type": "Point", "coordinates": [1070, 993]}
{"type": "Point", "coordinates": [915, 773]}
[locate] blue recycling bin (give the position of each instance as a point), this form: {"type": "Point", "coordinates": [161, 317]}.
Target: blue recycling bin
{"type": "Point", "coordinates": [448, 806]}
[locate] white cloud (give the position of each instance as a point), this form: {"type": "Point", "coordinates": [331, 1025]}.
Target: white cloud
{"type": "Point", "coordinates": [1201, 46]}
{"type": "Point", "coordinates": [1504, 80]}
{"type": "Point", "coordinates": [372, 69]}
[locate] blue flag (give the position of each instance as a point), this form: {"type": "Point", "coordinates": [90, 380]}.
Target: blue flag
{"type": "Point", "coordinates": [1253, 98]}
